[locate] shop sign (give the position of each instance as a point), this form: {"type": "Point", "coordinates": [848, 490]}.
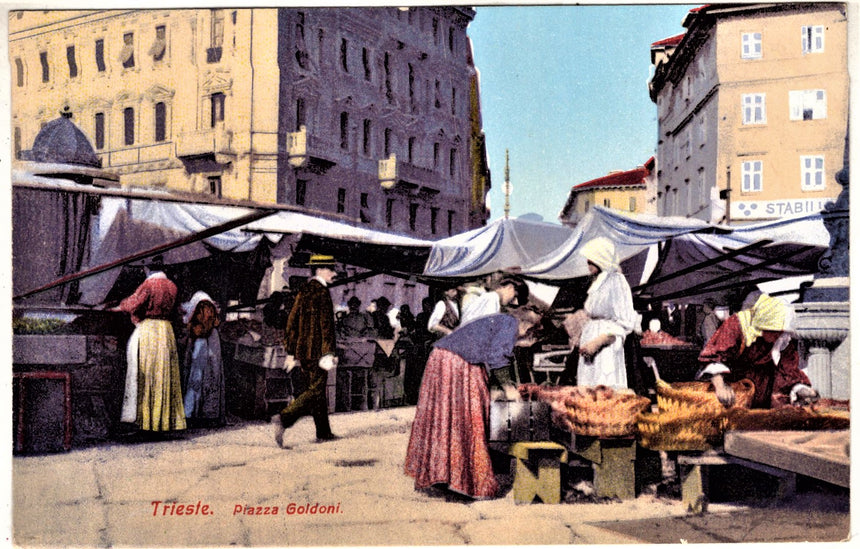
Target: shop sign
{"type": "Point", "coordinates": [776, 209]}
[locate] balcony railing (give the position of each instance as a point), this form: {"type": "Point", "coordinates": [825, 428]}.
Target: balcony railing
{"type": "Point", "coordinates": [394, 172]}
{"type": "Point", "coordinates": [216, 141]}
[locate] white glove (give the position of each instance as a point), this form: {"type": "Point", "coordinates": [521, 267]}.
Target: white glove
{"type": "Point", "coordinates": [327, 362]}
{"type": "Point", "coordinates": [290, 362]}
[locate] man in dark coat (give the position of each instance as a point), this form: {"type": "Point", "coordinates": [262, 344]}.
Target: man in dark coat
{"type": "Point", "coordinates": [310, 344]}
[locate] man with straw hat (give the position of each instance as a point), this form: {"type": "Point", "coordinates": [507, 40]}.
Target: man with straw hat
{"type": "Point", "coordinates": [310, 344]}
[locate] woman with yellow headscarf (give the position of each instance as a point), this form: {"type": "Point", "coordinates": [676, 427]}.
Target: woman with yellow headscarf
{"type": "Point", "coordinates": [756, 344]}
{"type": "Point", "coordinates": [611, 317]}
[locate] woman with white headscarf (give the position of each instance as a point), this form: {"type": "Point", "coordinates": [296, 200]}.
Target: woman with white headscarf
{"type": "Point", "coordinates": [756, 344]}
{"type": "Point", "coordinates": [203, 372]}
{"type": "Point", "coordinates": [611, 318]}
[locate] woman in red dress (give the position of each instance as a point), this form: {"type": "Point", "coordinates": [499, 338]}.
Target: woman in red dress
{"type": "Point", "coordinates": [449, 440]}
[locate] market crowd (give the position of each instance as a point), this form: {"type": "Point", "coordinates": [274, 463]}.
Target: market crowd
{"type": "Point", "coordinates": [471, 345]}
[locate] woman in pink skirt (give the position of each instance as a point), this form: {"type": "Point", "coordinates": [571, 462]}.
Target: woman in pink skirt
{"type": "Point", "coordinates": [448, 444]}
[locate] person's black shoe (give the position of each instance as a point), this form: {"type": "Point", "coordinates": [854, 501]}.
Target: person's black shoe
{"type": "Point", "coordinates": [328, 437]}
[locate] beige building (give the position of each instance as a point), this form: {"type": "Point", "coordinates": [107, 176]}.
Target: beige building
{"type": "Point", "coordinates": [629, 191]}
{"type": "Point", "coordinates": [752, 108]}
{"type": "Point", "coordinates": [370, 115]}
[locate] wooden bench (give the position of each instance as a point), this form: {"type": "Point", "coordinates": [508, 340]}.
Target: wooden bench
{"type": "Point", "coordinates": [538, 471]}
{"type": "Point", "coordinates": [693, 471]}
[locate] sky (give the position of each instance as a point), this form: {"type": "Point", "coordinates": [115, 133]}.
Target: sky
{"type": "Point", "coordinates": [565, 90]}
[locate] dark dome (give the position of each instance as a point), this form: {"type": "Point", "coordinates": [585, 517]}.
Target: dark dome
{"type": "Point", "coordinates": [61, 142]}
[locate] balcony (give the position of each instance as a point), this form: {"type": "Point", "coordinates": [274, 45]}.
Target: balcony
{"type": "Point", "coordinates": [213, 54]}
{"type": "Point", "coordinates": [306, 151]}
{"type": "Point", "coordinates": [217, 142]}
{"type": "Point", "coordinates": [394, 173]}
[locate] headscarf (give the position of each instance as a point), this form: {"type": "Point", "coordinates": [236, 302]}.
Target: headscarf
{"type": "Point", "coordinates": [768, 313]}
{"type": "Point", "coordinates": [601, 252]}
{"type": "Point", "coordinates": [190, 306]}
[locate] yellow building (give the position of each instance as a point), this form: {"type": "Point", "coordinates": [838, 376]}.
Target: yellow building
{"type": "Point", "coordinates": [752, 110]}
{"type": "Point", "coordinates": [629, 191]}
{"type": "Point", "coordinates": [179, 99]}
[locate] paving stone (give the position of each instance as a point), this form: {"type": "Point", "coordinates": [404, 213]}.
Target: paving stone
{"type": "Point", "coordinates": [56, 524]}
{"type": "Point", "coordinates": [61, 482]}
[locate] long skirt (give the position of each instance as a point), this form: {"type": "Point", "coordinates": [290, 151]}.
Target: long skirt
{"type": "Point", "coordinates": [153, 392]}
{"type": "Point", "coordinates": [204, 379]}
{"type": "Point", "coordinates": [448, 444]}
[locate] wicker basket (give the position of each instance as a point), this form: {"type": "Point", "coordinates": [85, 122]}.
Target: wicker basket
{"type": "Point", "coordinates": [686, 433]}
{"type": "Point", "coordinates": [788, 418]}
{"type": "Point", "coordinates": [696, 397]}
{"type": "Point", "coordinates": [599, 412]}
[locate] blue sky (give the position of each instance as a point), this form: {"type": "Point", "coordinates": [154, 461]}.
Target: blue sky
{"type": "Point", "coordinates": [565, 90]}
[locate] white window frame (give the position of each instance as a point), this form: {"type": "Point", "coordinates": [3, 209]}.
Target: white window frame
{"type": "Point", "coordinates": [812, 172]}
{"type": "Point", "coordinates": [753, 108]}
{"type": "Point", "coordinates": [752, 170]}
{"type": "Point", "coordinates": [802, 100]}
{"type": "Point", "coordinates": [812, 39]}
{"type": "Point", "coordinates": [751, 45]}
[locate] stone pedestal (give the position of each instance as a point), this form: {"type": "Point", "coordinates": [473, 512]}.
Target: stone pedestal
{"type": "Point", "coordinates": [822, 330]}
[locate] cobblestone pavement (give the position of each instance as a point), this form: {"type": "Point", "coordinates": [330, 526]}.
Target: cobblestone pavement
{"type": "Point", "coordinates": [201, 488]}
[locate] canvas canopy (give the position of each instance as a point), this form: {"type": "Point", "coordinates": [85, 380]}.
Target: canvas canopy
{"type": "Point", "coordinates": [140, 220]}
{"type": "Point", "coordinates": [661, 256]}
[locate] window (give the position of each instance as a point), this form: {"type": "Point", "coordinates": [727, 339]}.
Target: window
{"type": "Point", "coordinates": [215, 185]}
{"type": "Point", "coordinates": [16, 151]}
{"type": "Point", "coordinates": [341, 200]}
{"type": "Point", "coordinates": [437, 101]}
{"type": "Point", "coordinates": [344, 48]}
{"type": "Point", "coordinates": [751, 45]}
{"type": "Point", "coordinates": [688, 144]}
{"type": "Point", "coordinates": [586, 206]}
{"type": "Point", "coordinates": [703, 131]}
{"type": "Point", "coordinates": [216, 31]}
{"type": "Point", "coordinates": [411, 87]}
{"type": "Point", "coordinates": [217, 108]}
{"type": "Point", "coordinates": [301, 50]}
{"type": "Point", "coordinates": [434, 217]}
{"type": "Point", "coordinates": [128, 125]}
{"type": "Point", "coordinates": [46, 70]}
{"type": "Point", "coordinates": [807, 104]}
{"type": "Point", "coordinates": [389, 212]}
{"type": "Point", "coordinates": [19, 72]}
{"type": "Point", "coordinates": [160, 122]}
{"type": "Point", "coordinates": [387, 143]}
{"type": "Point", "coordinates": [362, 213]}
{"type": "Point", "coordinates": [703, 190]}
{"type": "Point", "coordinates": [126, 56]}
{"type": "Point", "coordinates": [300, 113]}
{"type": "Point", "coordinates": [100, 55]}
{"type": "Point", "coordinates": [811, 173]}
{"type": "Point", "coordinates": [386, 64]}
{"type": "Point", "coordinates": [159, 46]}
{"type": "Point", "coordinates": [413, 216]}
{"type": "Point", "coordinates": [753, 108]}
{"type": "Point", "coordinates": [99, 124]}
{"type": "Point", "coordinates": [216, 36]}
{"type": "Point", "coordinates": [411, 150]}
{"type": "Point", "coordinates": [452, 162]}
{"type": "Point", "coordinates": [435, 31]}
{"type": "Point", "coordinates": [366, 137]}
{"type": "Point", "coordinates": [73, 64]}
{"type": "Point", "coordinates": [451, 214]}
{"type": "Point", "coordinates": [606, 203]}
{"type": "Point", "coordinates": [812, 39]}
{"type": "Point", "coordinates": [454, 101]}
{"type": "Point", "coordinates": [451, 39]}
{"type": "Point", "coordinates": [365, 62]}
{"type": "Point", "coordinates": [301, 191]}
{"type": "Point", "coordinates": [632, 207]}
{"type": "Point", "coordinates": [435, 155]}
{"type": "Point", "coordinates": [344, 130]}
{"type": "Point", "coordinates": [751, 176]}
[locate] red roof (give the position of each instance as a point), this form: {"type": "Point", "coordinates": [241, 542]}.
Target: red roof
{"type": "Point", "coordinates": [619, 179]}
{"type": "Point", "coordinates": [671, 41]}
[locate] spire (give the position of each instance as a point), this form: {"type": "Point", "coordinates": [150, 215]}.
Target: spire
{"type": "Point", "coordinates": [507, 187]}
